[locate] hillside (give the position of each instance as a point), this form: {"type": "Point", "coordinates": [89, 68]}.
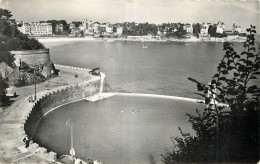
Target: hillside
{"type": "Point", "coordinates": [11, 39]}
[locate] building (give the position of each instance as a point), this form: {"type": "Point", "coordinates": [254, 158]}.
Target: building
{"type": "Point", "coordinates": [236, 29]}
{"type": "Point", "coordinates": [81, 27]}
{"type": "Point", "coordinates": [59, 28]}
{"type": "Point", "coordinates": [109, 28]}
{"type": "Point", "coordinates": [95, 28]}
{"type": "Point", "coordinates": [204, 29]}
{"type": "Point", "coordinates": [36, 28]}
{"type": "Point", "coordinates": [76, 32]}
{"type": "Point", "coordinates": [72, 25]}
{"type": "Point", "coordinates": [231, 35]}
{"type": "Point", "coordinates": [89, 27]}
{"type": "Point", "coordinates": [220, 28]}
{"type": "Point", "coordinates": [25, 28]}
{"type": "Point", "coordinates": [119, 30]}
{"type": "Point", "coordinates": [102, 28]}
{"type": "Point", "coordinates": [188, 28]}
{"type": "Point", "coordinates": [85, 24]}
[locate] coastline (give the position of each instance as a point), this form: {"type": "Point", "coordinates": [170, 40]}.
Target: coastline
{"type": "Point", "coordinates": [145, 39]}
{"type": "Point", "coordinates": [14, 117]}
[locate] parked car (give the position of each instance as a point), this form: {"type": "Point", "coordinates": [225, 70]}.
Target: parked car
{"type": "Point", "coordinates": [10, 92]}
{"type": "Point", "coordinates": [95, 72]}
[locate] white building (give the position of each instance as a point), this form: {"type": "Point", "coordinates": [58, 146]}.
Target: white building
{"type": "Point", "coordinates": [81, 27]}
{"type": "Point", "coordinates": [36, 28]}
{"type": "Point", "coordinates": [188, 28]}
{"type": "Point", "coordinates": [25, 28]}
{"type": "Point", "coordinates": [220, 28]}
{"type": "Point", "coordinates": [236, 29]}
{"type": "Point", "coordinates": [95, 28]}
{"type": "Point", "coordinates": [119, 30]}
{"type": "Point", "coordinates": [109, 29]}
{"type": "Point", "coordinates": [89, 27]}
{"type": "Point", "coordinates": [85, 24]}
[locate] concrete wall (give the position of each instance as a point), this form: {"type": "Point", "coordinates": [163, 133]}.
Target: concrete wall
{"type": "Point", "coordinates": [57, 98]}
{"type": "Point", "coordinates": [32, 57]}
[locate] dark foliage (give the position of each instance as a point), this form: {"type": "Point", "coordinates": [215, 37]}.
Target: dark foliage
{"type": "Point", "coordinates": [225, 134]}
{"type": "Point", "coordinates": [140, 29]}
{"type": "Point", "coordinates": [4, 100]}
{"type": "Point", "coordinates": [11, 39]}
{"type": "Point", "coordinates": [57, 22]}
{"type": "Point", "coordinates": [196, 29]}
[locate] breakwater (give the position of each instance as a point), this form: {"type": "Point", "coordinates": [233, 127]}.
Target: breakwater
{"type": "Point", "coordinates": [58, 97]}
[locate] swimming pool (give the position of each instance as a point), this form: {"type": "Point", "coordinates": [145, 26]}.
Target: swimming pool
{"type": "Point", "coordinates": [119, 129]}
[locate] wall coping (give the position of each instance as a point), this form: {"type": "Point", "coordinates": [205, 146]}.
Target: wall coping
{"type": "Point", "coordinates": [29, 52]}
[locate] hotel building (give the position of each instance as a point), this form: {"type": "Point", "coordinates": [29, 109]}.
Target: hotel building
{"type": "Point", "coordinates": [36, 28]}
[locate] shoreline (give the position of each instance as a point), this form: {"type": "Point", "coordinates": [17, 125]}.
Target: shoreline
{"type": "Point", "coordinates": [14, 117]}
{"type": "Point", "coordinates": [141, 39]}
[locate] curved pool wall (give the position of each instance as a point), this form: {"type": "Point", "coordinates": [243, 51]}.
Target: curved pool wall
{"type": "Point", "coordinates": [59, 97]}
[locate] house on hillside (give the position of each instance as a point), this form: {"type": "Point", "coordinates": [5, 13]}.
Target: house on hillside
{"type": "Point", "coordinates": [59, 28]}
{"type": "Point", "coordinates": [119, 30]}
{"type": "Point", "coordinates": [188, 28]}
{"type": "Point", "coordinates": [220, 28]}
{"type": "Point", "coordinates": [204, 31]}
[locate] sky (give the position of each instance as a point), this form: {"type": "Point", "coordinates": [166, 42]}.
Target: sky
{"type": "Point", "coordinates": [241, 12]}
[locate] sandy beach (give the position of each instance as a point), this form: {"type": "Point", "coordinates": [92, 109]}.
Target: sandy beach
{"type": "Point", "coordinates": [139, 39]}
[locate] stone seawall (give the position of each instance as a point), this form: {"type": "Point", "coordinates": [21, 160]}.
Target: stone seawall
{"type": "Point", "coordinates": [60, 96]}
{"type": "Point", "coordinates": [32, 57]}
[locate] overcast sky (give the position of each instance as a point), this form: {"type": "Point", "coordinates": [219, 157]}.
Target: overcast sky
{"type": "Point", "coordinates": [241, 12]}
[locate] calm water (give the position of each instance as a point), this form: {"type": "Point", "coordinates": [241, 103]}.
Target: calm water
{"type": "Point", "coordinates": [162, 68]}
{"type": "Point", "coordinates": [105, 133]}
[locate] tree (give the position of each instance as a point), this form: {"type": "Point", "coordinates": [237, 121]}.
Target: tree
{"type": "Point", "coordinates": [4, 100]}
{"type": "Point", "coordinates": [6, 15]}
{"type": "Point", "coordinates": [212, 30]}
{"type": "Point", "coordinates": [196, 29]}
{"type": "Point", "coordinates": [225, 135]}
{"type": "Point", "coordinates": [11, 39]}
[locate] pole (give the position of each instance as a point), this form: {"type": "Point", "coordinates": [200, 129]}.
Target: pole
{"type": "Point", "coordinates": [35, 84]}
{"type": "Point", "coordinates": [70, 123]}
{"type": "Point", "coordinates": [71, 133]}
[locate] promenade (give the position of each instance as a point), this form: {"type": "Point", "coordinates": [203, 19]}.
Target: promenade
{"type": "Point", "coordinates": [12, 119]}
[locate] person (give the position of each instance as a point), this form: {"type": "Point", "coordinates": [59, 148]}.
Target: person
{"type": "Point", "coordinates": [30, 99]}
{"type": "Point", "coordinates": [26, 140]}
{"type": "Point", "coordinates": [76, 75]}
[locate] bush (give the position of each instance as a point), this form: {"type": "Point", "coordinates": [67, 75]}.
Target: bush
{"type": "Point", "coordinates": [225, 134]}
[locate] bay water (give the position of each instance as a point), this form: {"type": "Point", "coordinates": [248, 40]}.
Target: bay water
{"type": "Point", "coordinates": [125, 129]}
